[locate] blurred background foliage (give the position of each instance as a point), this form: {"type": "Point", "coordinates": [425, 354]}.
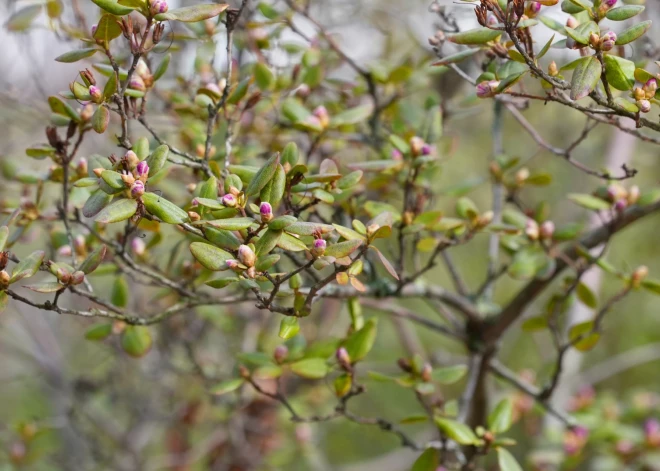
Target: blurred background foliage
{"type": "Point", "coordinates": [50, 373]}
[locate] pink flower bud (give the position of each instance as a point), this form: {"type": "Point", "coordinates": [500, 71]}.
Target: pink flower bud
{"type": "Point", "coordinates": [321, 113]}
{"type": "Point", "coordinates": [535, 7]}
{"type": "Point", "coordinates": [229, 200]}
{"type": "Point", "coordinates": [427, 149]}
{"type": "Point", "coordinates": [138, 246]}
{"type": "Point", "coordinates": [644, 105]}
{"type": "Point", "coordinates": [651, 427]}
{"type": "Point", "coordinates": [213, 87]}
{"type": "Point", "coordinates": [96, 94]}
{"type": "Point", "coordinates": [547, 230]}
{"type": "Point", "coordinates": [77, 277]}
{"type": "Point", "coordinates": [94, 28]}
{"type": "Point", "coordinates": [142, 69]}
{"type": "Point", "coordinates": [620, 205]}
{"type": "Point", "coordinates": [650, 87]}
{"type": "Point", "coordinates": [416, 145]}
{"type": "Point", "coordinates": [142, 169]}
{"type": "Point", "coordinates": [137, 189]}
{"type": "Point", "coordinates": [232, 264]}
{"type": "Point", "coordinates": [280, 353]}
{"type": "Point", "coordinates": [633, 194]}
{"type": "Point", "coordinates": [572, 22]}
{"type": "Point", "coordinates": [396, 154]}
{"type": "Point", "coordinates": [486, 89]}
{"type": "Point", "coordinates": [610, 3]}
{"type": "Point", "coordinates": [265, 209]}
{"type": "Point", "coordinates": [158, 6]}
{"type": "Point", "coordinates": [319, 247]}
{"type": "Point", "coordinates": [137, 83]}
{"type": "Point", "coordinates": [131, 158]}
{"type": "Point", "coordinates": [343, 358]}
{"type": "Point", "coordinates": [65, 251]}
{"type": "Point", "coordinates": [532, 229]}
{"type": "Point", "coordinates": [246, 256]}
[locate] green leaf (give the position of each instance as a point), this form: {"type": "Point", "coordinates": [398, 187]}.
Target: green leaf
{"type": "Point", "coordinates": [28, 266]}
{"type": "Point", "coordinates": [506, 461]}
{"type": "Point", "coordinates": [309, 228]}
{"type": "Point", "coordinates": [620, 72]}
{"type": "Point", "coordinates": [227, 386]}
{"type": "Point", "coordinates": [449, 374]}
{"type": "Point", "coordinates": [361, 341]}
{"type": "Point", "coordinates": [117, 211]}
{"type": "Point", "coordinates": [623, 12]}
{"type": "Point", "coordinates": [193, 13]}
{"type": "Point", "coordinates": [274, 190]}
{"type": "Point", "coordinates": [343, 249]}
{"type": "Point", "coordinates": [633, 33]}
{"type": "Point", "coordinates": [95, 203]}
{"type": "Point", "coordinates": [263, 176]}
{"type": "Point", "coordinates": [75, 56]}
{"type": "Point", "coordinates": [264, 263]}
{"type": "Point", "coordinates": [460, 433]}
{"type": "Point", "coordinates": [162, 67]}
{"type": "Point", "coordinates": [233, 224]}
{"type": "Point", "coordinates": [120, 292]}
{"type": "Point", "coordinates": [60, 107]}
{"type": "Point", "coordinates": [157, 159]}
{"type": "Point", "coordinates": [586, 295]}
{"type": "Point", "coordinates": [589, 201]}
{"type": "Point", "coordinates": [583, 331]}
{"type": "Point", "coordinates": [23, 18]}
{"type": "Point", "coordinates": [290, 243]}
{"type": "Point", "coordinates": [209, 256]}
{"type": "Point", "coordinates": [352, 116]}
{"type": "Point", "coordinates": [585, 77]}
{"type": "Point", "coordinates": [163, 209]}
{"type": "Point", "coordinates": [4, 235]}
{"type": "Point", "coordinates": [501, 418]}
{"type": "Point", "coordinates": [455, 58]}
{"type": "Point", "coordinates": [429, 460]}
{"type": "Point", "coordinates": [474, 36]}
{"type": "Point", "coordinates": [552, 24]}
{"type": "Point", "coordinates": [267, 242]}
{"type": "Point", "coordinates": [651, 285]}
{"type": "Point", "coordinates": [99, 332]}
{"type": "Point", "coordinates": [290, 154]}
{"type": "Point", "coordinates": [46, 287]}
{"type": "Point", "coordinates": [289, 327]}
{"type": "Point", "coordinates": [281, 222]}
{"type": "Point", "coordinates": [263, 76]}
{"type": "Point", "coordinates": [310, 368]}
{"type": "Point", "coordinates": [111, 6]}
{"type": "Point", "coordinates": [4, 300]}
{"type": "Point", "coordinates": [93, 260]}
{"type": "Point", "coordinates": [110, 87]}
{"type": "Point", "coordinates": [107, 29]}
{"type": "Point", "coordinates": [136, 340]}
{"type": "Point", "coordinates": [100, 120]}
{"type": "Point", "coordinates": [349, 234]}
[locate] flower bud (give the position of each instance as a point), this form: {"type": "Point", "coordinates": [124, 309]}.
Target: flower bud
{"type": "Point", "coordinates": [532, 229]}
{"type": "Point", "coordinates": [246, 256]}
{"type": "Point", "coordinates": [142, 69]}
{"type": "Point", "coordinates": [547, 230]}
{"type": "Point", "coordinates": [633, 194]}
{"type": "Point", "coordinates": [64, 251]}
{"type": "Point", "coordinates": [425, 374]}
{"type": "Point", "coordinates": [4, 278]}
{"type": "Point", "coordinates": [79, 245]}
{"type": "Point", "coordinates": [553, 70]}
{"type": "Point", "coordinates": [533, 8]}
{"type": "Point", "coordinates": [644, 105]}
{"type": "Point", "coordinates": [232, 264]}
{"type": "Point", "coordinates": [433, 41]}
{"type": "Point", "coordinates": [280, 353]}
{"type": "Point", "coordinates": [229, 200]}
{"type": "Point", "coordinates": [594, 40]}
{"type": "Point", "coordinates": [639, 275]}
{"type": "Point", "coordinates": [266, 211]}
{"type": "Point", "coordinates": [487, 89]}
{"type": "Point", "coordinates": [427, 149]}
{"type": "Point", "coordinates": [157, 6]}
{"type": "Point", "coordinates": [62, 275]}
{"type": "Point", "coordinates": [650, 87]}
{"type": "Point", "coordinates": [131, 159]}
{"type": "Point", "coordinates": [94, 28]}
{"type": "Point", "coordinates": [96, 94]}
{"type": "Point", "coordinates": [321, 113]}
{"type": "Point", "coordinates": [620, 205]}
{"type": "Point", "coordinates": [371, 229]}
{"type": "Point", "coordinates": [652, 433]}
{"type": "Point", "coordinates": [522, 175]}
{"type": "Point", "coordinates": [343, 358]}
{"type": "Point", "coordinates": [607, 41]}
{"type": "Point", "coordinates": [251, 272]}
{"type": "Point", "coordinates": [98, 171]}
{"type": "Point", "coordinates": [137, 83]}
{"type": "Point", "coordinates": [87, 112]}
{"type": "Point", "coordinates": [128, 179]}
{"type": "Point", "coordinates": [138, 246]}
{"type": "Point", "coordinates": [77, 277]}
{"type": "Point", "coordinates": [194, 216]}
{"type": "Point", "coordinates": [572, 22]}
{"type": "Point", "coordinates": [609, 3]}
{"type": "Point", "coordinates": [638, 93]}
{"type": "Point", "coordinates": [416, 145]}
{"type": "Point", "coordinates": [142, 169]}
{"type": "Point", "coordinates": [319, 247]}
{"type": "Point", "coordinates": [485, 219]}
{"type": "Point", "coordinates": [396, 155]}
{"type": "Point", "coordinates": [137, 189]}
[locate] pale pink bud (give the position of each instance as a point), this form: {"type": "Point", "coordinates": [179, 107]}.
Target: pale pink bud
{"type": "Point", "coordinates": [280, 353]}
{"type": "Point", "coordinates": [194, 203]}
{"type": "Point", "coordinates": [137, 83]}
{"type": "Point", "coordinates": [94, 28]}
{"type": "Point", "coordinates": [246, 255]}
{"type": "Point", "coordinates": [343, 358]}
{"type": "Point", "coordinates": [132, 159]}
{"type": "Point", "coordinates": [633, 194]}
{"type": "Point", "coordinates": [396, 154]}
{"type": "Point", "coordinates": [138, 246]}
{"type": "Point", "coordinates": [232, 264]}
{"type": "Point", "coordinates": [547, 230]}
{"type": "Point", "coordinates": [96, 94]}
{"type": "Point", "coordinates": [416, 145]}
{"type": "Point", "coordinates": [321, 113]}
{"type": "Point", "coordinates": [319, 247]}
{"type": "Point", "coordinates": [572, 22]}
{"type": "Point", "coordinates": [77, 277]}
{"type": "Point", "coordinates": [535, 7]}
{"type": "Point", "coordinates": [158, 6]}
{"type": "Point", "coordinates": [229, 200]}
{"type": "Point", "coordinates": [644, 106]}
{"type": "Point", "coordinates": [532, 229]}
{"type": "Point", "coordinates": [65, 251]}
{"type": "Point", "coordinates": [486, 89]}
{"type": "Point", "coordinates": [137, 189]}
{"type": "Point", "coordinates": [142, 69]}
